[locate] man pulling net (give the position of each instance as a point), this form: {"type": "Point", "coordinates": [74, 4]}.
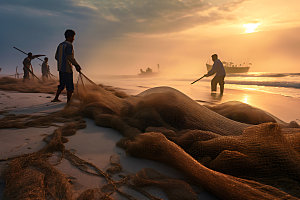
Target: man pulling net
{"type": "Point", "coordinates": [27, 67]}
{"type": "Point", "coordinates": [65, 59]}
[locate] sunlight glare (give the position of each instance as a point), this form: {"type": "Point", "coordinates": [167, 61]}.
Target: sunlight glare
{"type": "Point", "coordinates": [245, 99]}
{"type": "Point", "coordinates": [251, 27]}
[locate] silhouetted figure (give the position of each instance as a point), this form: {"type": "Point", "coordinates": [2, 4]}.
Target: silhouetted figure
{"type": "Point", "coordinates": [65, 59]}
{"type": "Point", "coordinates": [219, 70]}
{"type": "Point", "coordinates": [148, 70]}
{"type": "Point", "coordinates": [27, 67]}
{"type": "Point", "coordinates": [45, 69]}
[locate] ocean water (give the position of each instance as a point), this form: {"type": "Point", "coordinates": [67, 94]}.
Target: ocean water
{"type": "Point", "coordinates": [286, 84]}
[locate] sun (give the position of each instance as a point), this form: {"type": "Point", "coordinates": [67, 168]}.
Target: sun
{"type": "Point", "coordinates": [251, 27]}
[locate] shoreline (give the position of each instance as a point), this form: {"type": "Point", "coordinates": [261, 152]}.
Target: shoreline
{"type": "Point", "coordinates": [275, 104]}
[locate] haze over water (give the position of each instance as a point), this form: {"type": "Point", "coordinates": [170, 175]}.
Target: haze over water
{"type": "Point", "coordinates": [286, 84]}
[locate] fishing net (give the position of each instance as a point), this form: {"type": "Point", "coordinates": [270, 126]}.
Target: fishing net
{"type": "Point", "coordinates": [230, 159]}
{"type": "Point", "coordinates": [29, 86]}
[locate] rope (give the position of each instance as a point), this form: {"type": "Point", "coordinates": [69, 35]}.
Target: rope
{"type": "Point", "coordinates": [81, 80]}
{"type": "Point", "coordinates": [88, 78]}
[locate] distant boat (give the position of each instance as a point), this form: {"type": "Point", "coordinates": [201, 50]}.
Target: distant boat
{"type": "Point", "coordinates": [231, 68]}
{"type": "Point", "coordinates": [148, 72]}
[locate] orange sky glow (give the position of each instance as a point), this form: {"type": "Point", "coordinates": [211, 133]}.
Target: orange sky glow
{"type": "Point", "coordinates": [116, 37]}
{"type": "Point", "coordinates": [267, 45]}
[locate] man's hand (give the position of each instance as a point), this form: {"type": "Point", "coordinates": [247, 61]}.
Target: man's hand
{"type": "Point", "coordinates": [78, 68]}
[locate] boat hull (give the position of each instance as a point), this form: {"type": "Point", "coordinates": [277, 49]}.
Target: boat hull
{"type": "Point", "coordinates": [231, 70]}
{"type": "Point", "coordinates": [148, 74]}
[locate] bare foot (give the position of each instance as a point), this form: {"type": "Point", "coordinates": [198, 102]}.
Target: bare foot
{"type": "Point", "coordinates": [56, 100]}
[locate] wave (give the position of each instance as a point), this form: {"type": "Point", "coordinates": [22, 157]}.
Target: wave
{"type": "Point", "coordinates": [265, 75]}
{"type": "Point", "coordinates": [283, 84]}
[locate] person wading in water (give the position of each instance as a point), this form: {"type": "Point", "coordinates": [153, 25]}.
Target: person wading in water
{"type": "Point", "coordinates": [219, 70]}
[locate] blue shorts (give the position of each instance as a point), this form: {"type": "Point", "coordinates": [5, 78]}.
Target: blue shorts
{"type": "Point", "coordinates": [66, 80]}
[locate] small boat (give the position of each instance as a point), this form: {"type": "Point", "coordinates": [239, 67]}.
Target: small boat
{"type": "Point", "coordinates": [231, 68]}
{"type": "Point", "coordinates": [148, 72]}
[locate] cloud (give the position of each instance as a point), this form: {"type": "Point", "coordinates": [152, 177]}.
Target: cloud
{"type": "Point", "coordinates": [39, 25]}
{"type": "Point", "coordinates": [231, 5]}
{"type": "Point", "coordinates": [130, 16]}
{"type": "Point", "coordinates": [156, 16]}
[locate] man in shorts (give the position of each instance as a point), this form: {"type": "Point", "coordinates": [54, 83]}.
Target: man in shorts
{"type": "Point", "coordinates": [65, 60]}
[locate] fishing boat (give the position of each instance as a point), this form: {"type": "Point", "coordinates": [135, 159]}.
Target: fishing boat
{"type": "Point", "coordinates": [232, 68]}
{"type": "Point", "coordinates": [148, 72]}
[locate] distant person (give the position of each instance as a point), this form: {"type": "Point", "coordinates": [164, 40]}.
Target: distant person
{"type": "Point", "coordinates": [149, 70]}
{"type": "Point", "coordinates": [65, 59]}
{"type": "Point", "coordinates": [219, 70]}
{"type": "Point", "coordinates": [27, 67]}
{"type": "Point", "coordinates": [45, 69]}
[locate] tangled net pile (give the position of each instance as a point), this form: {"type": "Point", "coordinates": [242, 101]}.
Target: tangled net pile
{"type": "Point", "coordinates": [230, 159]}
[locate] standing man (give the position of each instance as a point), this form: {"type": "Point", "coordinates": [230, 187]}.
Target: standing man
{"type": "Point", "coordinates": [45, 69]}
{"type": "Point", "coordinates": [27, 67]}
{"type": "Point", "coordinates": [219, 70]}
{"type": "Point", "coordinates": [65, 59]}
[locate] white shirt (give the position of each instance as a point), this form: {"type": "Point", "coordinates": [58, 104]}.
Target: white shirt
{"type": "Point", "coordinates": [217, 68]}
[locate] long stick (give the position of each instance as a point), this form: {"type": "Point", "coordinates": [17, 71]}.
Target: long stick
{"type": "Point", "coordinates": [198, 79]}
{"type": "Point", "coordinates": [26, 53]}
{"type": "Point", "coordinates": [33, 74]}
{"type": "Point", "coordinates": [20, 50]}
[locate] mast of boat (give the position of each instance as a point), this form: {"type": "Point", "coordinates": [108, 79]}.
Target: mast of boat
{"type": "Point", "coordinates": [17, 73]}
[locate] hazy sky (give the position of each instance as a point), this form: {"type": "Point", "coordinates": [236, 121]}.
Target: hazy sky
{"type": "Point", "coordinates": [122, 36]}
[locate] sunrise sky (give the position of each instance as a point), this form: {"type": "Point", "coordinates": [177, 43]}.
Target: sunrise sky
{"type": "Point", "coordinates": [120, 37]}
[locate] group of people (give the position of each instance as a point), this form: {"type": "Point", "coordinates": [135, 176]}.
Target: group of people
{"type": "Point", "coordinates": [148, 70]}
{"type": "Point", "coordinates": [27, 67]}
{"type": "Point", "coordinates": [65, 60]}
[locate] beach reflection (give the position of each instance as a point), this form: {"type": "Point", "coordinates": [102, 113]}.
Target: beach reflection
{"type": "Point", "coordinates": [216, 97]}
{"type": "Point", "coordinates": [245, 99]}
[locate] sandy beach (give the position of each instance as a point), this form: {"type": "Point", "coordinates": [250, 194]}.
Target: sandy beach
{"type": "Point", "coordinates": [94, 143]}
